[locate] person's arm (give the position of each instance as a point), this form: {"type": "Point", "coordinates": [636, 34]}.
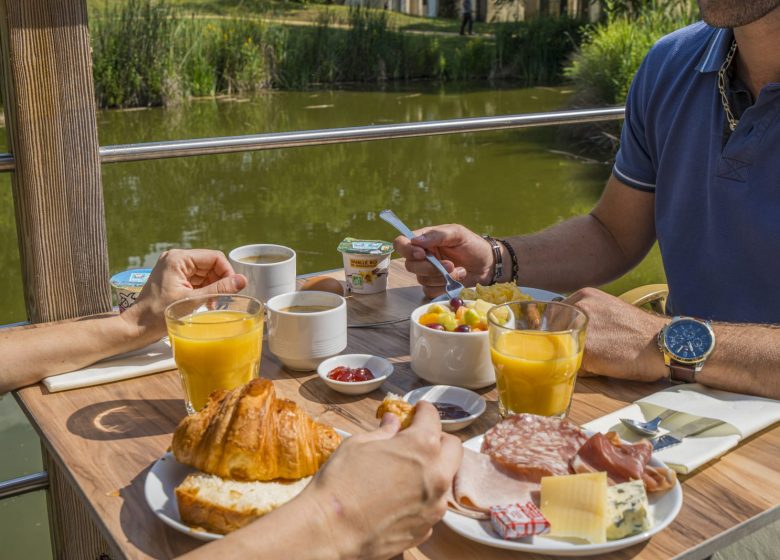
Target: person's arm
{"type": "Point", "coordinates": [30, 354]}
{"type": "Point", "coordinates": [379, 494]}
{"type": "Point", "coordinates": [622, 342]}
{"type": "Point", "coordinates": [583, 251]}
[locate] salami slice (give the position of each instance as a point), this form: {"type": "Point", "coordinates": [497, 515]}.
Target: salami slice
{"type": "Point", "coordinates": [532, 446]}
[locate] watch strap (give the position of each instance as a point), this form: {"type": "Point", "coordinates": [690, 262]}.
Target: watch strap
{"type": "Point", "coordinates": [682, 373]}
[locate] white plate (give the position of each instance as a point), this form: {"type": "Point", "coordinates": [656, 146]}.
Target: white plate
{"type": "Point", "coordinates": [164, 476]}
{"type": "Point", "coordinates": [663, 509]}
{"type": "Point", "coordinates": [539, 294]}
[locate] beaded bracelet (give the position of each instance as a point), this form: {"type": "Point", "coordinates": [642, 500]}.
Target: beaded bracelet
{"type": "Point", "coordinates": [499, 262]}
{"type": "Point", "coordinates": [513, 256]}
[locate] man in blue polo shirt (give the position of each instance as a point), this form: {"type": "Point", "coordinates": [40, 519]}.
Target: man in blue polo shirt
{"type": "Point", "coordinates": [695, 171]}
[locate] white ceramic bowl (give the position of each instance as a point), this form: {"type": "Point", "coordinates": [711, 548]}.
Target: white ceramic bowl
{"type": "Point", "coordinates": [450, 358]}
{"type": "Point", "coordinates": [467, 400]}
{"type": "Point", "coordinates": [381, 368]}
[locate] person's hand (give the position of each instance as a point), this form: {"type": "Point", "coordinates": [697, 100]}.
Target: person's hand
{"type": "Point", "coordinates": [466, 256]}
{"type": "Point", "coordinates": [179, 274]}
{"type": "Point", "coordinates": [620, 338]}
{"type": "Point", "coordinates": [382, 491]}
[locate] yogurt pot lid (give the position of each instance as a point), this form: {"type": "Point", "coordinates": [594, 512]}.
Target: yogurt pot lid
{"type": "Point", "coordinates": [365, 246]}
{"type": "Point", "coordinates": [134, 278]}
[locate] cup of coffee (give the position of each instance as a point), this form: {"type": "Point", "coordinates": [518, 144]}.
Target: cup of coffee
{"type": "Point", "coordinates": [306, 328]}
{"type": "Point", "coordinates": [269, 269]}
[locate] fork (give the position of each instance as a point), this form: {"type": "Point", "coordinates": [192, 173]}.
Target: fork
{"type": "Point", "coordinates": [453, 288]}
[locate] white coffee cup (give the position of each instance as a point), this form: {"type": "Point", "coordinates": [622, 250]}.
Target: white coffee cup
{"type": "Point", "coordinates": [303, 340]}
{"type": "Point", "coordinates": [265, 279]}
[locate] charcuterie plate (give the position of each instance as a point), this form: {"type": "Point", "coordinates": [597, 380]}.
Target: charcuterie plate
{"type": "Point", "coordinates": [663, 509]}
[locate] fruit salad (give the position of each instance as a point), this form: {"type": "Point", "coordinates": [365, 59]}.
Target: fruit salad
{"type": "Point", "coordinates": [459, 316]}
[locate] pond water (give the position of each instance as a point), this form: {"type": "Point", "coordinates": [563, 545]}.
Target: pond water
{"type": "Point", "coordinates": [499, 183]}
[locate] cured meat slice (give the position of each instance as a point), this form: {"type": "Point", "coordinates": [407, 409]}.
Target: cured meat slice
{"type": "Point", "coordinates": [622, 462]}
{"type": "Point", "coordinates": [479, 485]}
{"type": "Point", "coordinates": [531, 446]}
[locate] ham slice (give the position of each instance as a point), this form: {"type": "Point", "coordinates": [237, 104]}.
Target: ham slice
{"type": "Point", "coordinates": [480, 484]}
{"type": "Point", "coordinates": [622, 462]}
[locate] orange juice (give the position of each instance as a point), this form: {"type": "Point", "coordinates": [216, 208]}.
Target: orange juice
{"type": "Point", "coordinates": [536, 370]}
{"type": "Point", "coordinates": [216, 350]}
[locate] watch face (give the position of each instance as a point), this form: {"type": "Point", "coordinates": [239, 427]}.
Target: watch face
{"type": "Point", "coordinates": [688, 340]}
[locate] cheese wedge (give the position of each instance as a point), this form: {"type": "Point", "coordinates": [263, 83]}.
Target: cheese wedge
{"type": "Point", "coordinates": [627, 510]}
{"type": "Point", "coordinates": [576, 506]}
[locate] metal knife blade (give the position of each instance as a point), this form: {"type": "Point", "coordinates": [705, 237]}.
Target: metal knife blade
{"type": "Point", "coordinates": [690, 429]}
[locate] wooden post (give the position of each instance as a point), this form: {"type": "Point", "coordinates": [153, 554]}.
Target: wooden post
{"type": "Point", "coordinates": [52, 128]}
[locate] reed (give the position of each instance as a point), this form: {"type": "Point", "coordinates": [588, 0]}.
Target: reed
{"type": "Point", "coordinates": [145, 53]}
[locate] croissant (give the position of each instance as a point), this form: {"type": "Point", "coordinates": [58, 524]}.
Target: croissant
{"type": "Point", "coordinates": [248, 434]}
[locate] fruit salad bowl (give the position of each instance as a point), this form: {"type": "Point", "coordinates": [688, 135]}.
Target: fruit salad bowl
{"type": "Point", "coordinates": [442, 355]}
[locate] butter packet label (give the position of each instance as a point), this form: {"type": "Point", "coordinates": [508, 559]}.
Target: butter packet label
{"type": "Point", "coordinates": [366, 264]}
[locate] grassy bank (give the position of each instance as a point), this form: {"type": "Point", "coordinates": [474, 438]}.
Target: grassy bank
{"type": "Point", "coordinates": [147, 53]}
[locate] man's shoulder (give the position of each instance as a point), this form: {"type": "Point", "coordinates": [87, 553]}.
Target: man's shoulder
{"type": "Point", "coordinates": [680, 48]}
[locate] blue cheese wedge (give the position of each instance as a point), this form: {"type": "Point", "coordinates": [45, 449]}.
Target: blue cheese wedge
{"type": "Point", "coordinates": [628, 512]}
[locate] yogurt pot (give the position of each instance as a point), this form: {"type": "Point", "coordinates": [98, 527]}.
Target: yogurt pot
{"type": "Point", "coordinates": [128, 285]}
{"type": "Point", "coordinates": [366, 264]}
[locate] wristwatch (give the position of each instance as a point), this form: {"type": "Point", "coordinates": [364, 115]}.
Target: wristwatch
{"type": "Point", "coordinates": [686, 343]}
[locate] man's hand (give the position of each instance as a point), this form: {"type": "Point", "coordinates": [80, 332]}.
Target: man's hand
{"type": "Point", "coordinates": [465, 255]}
{"type": "Point", "coordinates": [381, 492]}
{"type": "Point", "coordinates": [179, 274]}
{"type": "Point", "coordinates": [621, 338]}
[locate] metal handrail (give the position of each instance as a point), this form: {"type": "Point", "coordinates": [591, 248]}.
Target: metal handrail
{"type": "Point", "coordinates": [23, 484]}
{"type": "Point", "coordinates": [275, 140]}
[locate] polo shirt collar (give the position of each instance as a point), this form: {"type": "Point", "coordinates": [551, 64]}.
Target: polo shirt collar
{"type": "Point", "coordinates": [716, 52]}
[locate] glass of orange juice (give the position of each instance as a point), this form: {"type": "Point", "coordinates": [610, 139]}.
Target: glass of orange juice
{"type": "Point", "coordinates": [536, 349]}
{"type": "Point", "coordinates": [216, 342]}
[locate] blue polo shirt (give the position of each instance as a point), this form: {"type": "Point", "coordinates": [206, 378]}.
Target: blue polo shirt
{"type": "Point", "coordinates": [717, 196]}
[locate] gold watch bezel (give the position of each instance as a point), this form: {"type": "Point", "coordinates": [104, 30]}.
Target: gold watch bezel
{"type": "Point", "coordinates": [669, 355]}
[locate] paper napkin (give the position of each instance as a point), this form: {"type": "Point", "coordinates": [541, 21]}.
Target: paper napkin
{"type": "Point", "coordinates": [150, 359]}
{"type": "Point", "coordinates": [744, 416]}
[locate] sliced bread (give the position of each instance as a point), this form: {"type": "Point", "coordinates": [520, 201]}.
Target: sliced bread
{"type": "Point", "coordinates": [220, 506]}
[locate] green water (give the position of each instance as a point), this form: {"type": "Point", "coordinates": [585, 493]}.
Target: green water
{"type": "Point", "coordinates": [308, 198]}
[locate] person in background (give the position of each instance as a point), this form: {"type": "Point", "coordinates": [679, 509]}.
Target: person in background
{"type": "Point", "coordinates": [467, 18]}
{"type": "Point", "coordinates": [342, 513]}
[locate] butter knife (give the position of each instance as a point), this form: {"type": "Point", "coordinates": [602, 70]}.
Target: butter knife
{"type": "Point", "coordinates": [690, 429]}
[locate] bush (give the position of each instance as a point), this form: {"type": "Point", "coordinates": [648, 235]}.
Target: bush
{"type": "Point", "coordinates": [602, 69]}
{"type": "Point", "coordinates": [535, 51]}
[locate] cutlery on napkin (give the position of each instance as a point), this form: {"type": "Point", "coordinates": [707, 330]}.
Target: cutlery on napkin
{"type": "Point", "coordinates": [741, 417]}
{"type": "Point", "coordinates": [150, 359]}
{"type": "Point", "coordinates": [676, 437]}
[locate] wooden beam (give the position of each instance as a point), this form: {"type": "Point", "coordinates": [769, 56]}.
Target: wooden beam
{"type": "Point", "coordinates": [52, 128]}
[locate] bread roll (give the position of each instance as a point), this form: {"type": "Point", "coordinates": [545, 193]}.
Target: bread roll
{"type": "Point", "coordinates": [397, 406]}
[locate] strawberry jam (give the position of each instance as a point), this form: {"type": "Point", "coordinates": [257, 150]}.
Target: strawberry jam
{"type": "Point", "coordinates": [342, 373]}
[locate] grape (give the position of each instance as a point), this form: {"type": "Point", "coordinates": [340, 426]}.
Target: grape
{"type": "Point", "coordinates": [455, 303]}
{"type": "Point", "coordinates": [436, 326]}
{"type": "Point", "coordinates": [463, 328]}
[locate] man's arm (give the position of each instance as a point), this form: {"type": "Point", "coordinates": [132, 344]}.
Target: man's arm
{"type": "Point", "coordinates": [30, 354]}
{"type": "Point", "coordinates": [621, 343]}
{"type": "Point", "coordinates": [583, 251]}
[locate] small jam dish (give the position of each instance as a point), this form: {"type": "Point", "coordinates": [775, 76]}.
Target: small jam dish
{"type": "Point", "coordinates": [442, 395]}
{"type": "Point", "coordinates": [379, 367]}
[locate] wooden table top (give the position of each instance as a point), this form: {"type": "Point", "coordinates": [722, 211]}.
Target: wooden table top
{"type": "Point", "coordinates": [106, 438]}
